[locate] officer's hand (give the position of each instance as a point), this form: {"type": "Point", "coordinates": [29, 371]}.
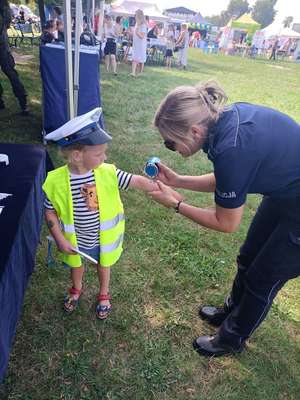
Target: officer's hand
{"type": "Point", "coordinates": [165, 195]}
{"type": "Point", "coordinates": [168, 176]}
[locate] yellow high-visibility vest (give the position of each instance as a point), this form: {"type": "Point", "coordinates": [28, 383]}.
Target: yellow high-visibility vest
{"type": "Point", "coordinates": [112, 223]}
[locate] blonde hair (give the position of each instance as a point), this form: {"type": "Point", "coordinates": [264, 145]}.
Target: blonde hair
{"type": "Point", "coordinates": [185, 106]}
{"type": "Point", "coordinates": [140, 17]}
{"type": "Point", "coordinates": [67, 151]}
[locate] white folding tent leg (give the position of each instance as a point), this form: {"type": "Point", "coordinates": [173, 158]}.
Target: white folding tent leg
{"type": "Point", "coordinates": [68, 57]}
{"type": "Point", "coordinates": [78, 31]}
{"type": "Point", "coordinates": [101, 16]}
{"type": "Point", "coordinates": [93, 15]}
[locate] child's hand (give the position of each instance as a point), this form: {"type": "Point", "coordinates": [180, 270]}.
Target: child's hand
{"type": "Point", "coordinates": [65, 246]}
{"type": "Point", "coordinates": [157, 187]}
{"type": "Point", "coordinates": [165, 195]}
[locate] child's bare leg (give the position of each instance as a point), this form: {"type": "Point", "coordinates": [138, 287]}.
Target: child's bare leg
{"type": "Point", "coordinates": [107, 62]}
{"type": "Point", "coordinates": [104, 279]}
{"type": "Point", "coordinates": [113, 63]}
{"type": "Point", "coordinates": [76, 277]}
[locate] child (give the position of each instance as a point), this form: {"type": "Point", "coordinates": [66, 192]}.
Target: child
{"type": "Point", "coordinates": [48, 35]}
{"type": "Point", "coordinates": [170, 36]}
{"type": "Point", "coordinates": [83, 195]}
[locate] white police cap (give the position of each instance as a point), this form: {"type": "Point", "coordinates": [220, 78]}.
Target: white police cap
{"type": "Point", "coordinates": [83, 129]}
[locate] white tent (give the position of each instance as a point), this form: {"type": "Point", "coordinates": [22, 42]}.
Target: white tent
{"type": "Point", "coordinates": [128, 8]}
{"type": "Point", "coordinates": [290, 33]}
{"type": "Point", "coordinates": [263, 36]}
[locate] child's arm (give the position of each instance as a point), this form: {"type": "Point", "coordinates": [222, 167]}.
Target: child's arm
{"type": "Point", "coordinates": [54, 227]}
{"type": "Point", "coordinates": [142, 183]}
{"type": "Point", "coordinates": [148, 185]}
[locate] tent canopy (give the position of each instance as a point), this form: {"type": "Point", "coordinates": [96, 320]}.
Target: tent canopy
{"type": "Point", "coordinates": [290, 33]}
{"type": "Point", "coordinates": [277, 29]}
{"type": "Point", "coordinates": [198, 22]}
{"type": "Point", "coordinates": [128, 8]}
{"type": "Point", "coordinates": [245, 22]}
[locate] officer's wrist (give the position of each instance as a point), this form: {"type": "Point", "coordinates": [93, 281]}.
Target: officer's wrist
{"type": "Point", "coordinates": [177, 206]}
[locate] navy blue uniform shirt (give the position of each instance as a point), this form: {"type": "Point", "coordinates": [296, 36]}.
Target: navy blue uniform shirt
{"type": "Point", "coordinates": [254, 149]}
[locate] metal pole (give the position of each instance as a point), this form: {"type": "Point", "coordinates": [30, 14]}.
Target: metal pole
{"type": "Point", "coordinates": [78, 31]}
{"type": "Point", "coordinates": [100, 28]}
{"type": "Point", "coordinates": [93, 16]}
{"type": "Point", "coordinates": [68, 58]}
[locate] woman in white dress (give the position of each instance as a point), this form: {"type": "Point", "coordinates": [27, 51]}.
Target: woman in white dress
{"type": "Point", "coordinates": [139, 44]}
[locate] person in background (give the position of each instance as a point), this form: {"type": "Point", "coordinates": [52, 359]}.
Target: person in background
{"type": "Point", "coordinates": [139, 44]}
{"type": "Point", "coordinates": [183, 44]}
{"type": "Point", "coordinates": [153, 32]}
{"type": "Point", "coordinates": [119, 28]}
{"type": "Point", "coordinates": [57, 14]}
{"type": "Point", "coordinates": [21, 16]}
{"type": "Point", "coordinates": [170, 42]}
{"type": "Point", "coordinates": [7, 62]}
{"type": "Point", "coordinates": [274, 49]}
{"type": "Point", "coordinates": [110, 48]}
{"type": "Point", "coordinates": [60, 31]}
{"type": "Point", "coordinates": [196, 38]}
{"type": "Point", "coordinates": [83, 209]}
{"type": "Point", "coordinates": [48, 35]}
{"type": "Point", "coordinates": [253, 149]}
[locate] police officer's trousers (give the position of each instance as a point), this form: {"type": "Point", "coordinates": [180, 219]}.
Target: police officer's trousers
{"type": "Point", "coordinates": [7, 64]}
{"type": "Point", "coordinates": [269, 257]}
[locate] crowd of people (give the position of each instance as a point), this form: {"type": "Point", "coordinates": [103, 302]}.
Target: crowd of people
{"type": "Point", "coordinates": [137, 40]}
{"type": "Point", "coordinates": [132, 40]}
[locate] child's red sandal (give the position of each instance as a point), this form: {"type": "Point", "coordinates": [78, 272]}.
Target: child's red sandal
{"type": "Point", "coordinates": [70, 304]}
{"type": "Point", "coordinates": [102, 311]}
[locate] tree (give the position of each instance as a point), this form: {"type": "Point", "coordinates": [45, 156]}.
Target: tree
{"type": "Point", "coordinates": [219, 20]}
{"type": "Point", "coordinates": [288, 22]}
{"type": "Point", "coordinates": [263, 12]}
{"type": "Point", "coordinates": [236, 8]}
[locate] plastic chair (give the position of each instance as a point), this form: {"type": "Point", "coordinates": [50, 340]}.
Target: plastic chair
{"type": "Point", "coordinates": [13, 35]}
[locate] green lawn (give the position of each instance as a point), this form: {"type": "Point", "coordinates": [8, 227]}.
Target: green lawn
{"type": "Point", "coordinates": [169, 266]}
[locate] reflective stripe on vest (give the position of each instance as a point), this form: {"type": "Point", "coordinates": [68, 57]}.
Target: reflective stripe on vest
{"type": "Point", "coordinates": [107, 248]}
{"type": "Point", "coordinates": [69, 228]}
{"type": "Point", "coordinates": [104, 226]}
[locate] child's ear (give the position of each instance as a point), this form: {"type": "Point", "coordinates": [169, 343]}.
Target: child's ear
{"type": "Point", "coordinates": [76, 155]}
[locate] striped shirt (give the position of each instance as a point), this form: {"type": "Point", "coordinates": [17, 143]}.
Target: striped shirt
{"type": "Point", "coordinates": [86, 208]}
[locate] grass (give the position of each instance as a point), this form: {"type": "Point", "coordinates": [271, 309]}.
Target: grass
{"type": "Point", "coordinates": [169, 266]}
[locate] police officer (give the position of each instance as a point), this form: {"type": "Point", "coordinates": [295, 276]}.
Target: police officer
{"type": "Point", "coordinates": [254, 149]}
{"type": "Point", "coordinates": [7, 62]}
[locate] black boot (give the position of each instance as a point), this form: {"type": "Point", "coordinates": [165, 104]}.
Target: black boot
{"type": "Point", "coordinates": [213, 315]}
{"type": "Point", "coordinates": [212, 346]}
{"type": "Point", "coordinates": [216, 315]}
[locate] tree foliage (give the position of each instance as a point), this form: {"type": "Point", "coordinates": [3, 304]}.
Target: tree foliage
{"type": "Point", "coordinates": [235, 9]}
{"type": "Point", "coordinates": [263, 12]}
